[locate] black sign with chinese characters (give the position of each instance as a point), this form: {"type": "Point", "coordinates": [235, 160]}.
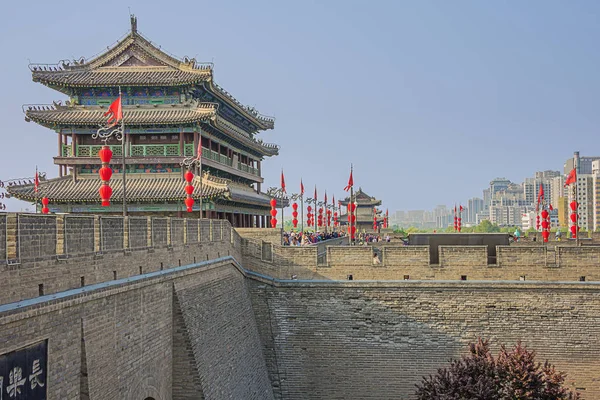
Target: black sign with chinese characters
{"type": "Point", "coordinates": [23, 373]}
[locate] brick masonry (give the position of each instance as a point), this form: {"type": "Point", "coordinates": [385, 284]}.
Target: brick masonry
{"type": "Point", "coordinates": [361, 340]}
{"type": "Point", "coordinates": [216, 330]}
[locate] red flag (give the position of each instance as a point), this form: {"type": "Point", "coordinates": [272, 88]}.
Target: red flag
{"type": "Point", "coordinates": [461, 208]}
{"type": "Point", "coordinates": [282, 182]}
{"type": "Point", "coordinates": [325, 197]}
{"type": "Point", "coordinates": [571, 178]}
{"type": "Point", "coordinates": [200, 150]}
{"type": "Point", "coordinates": [115, 112]}
{"type": "Point", "coordinates": [315, 192]}
{"type": "Point", "coordinates": [301, 187]}
{"type": "Point", "coordinates": [541, 194]}
{"type": "Point", "coordinates": [37, 181]}
{"type": "Point", "coordinates": [550, 207]}
{"type": "Point", "coordinates": [350, 182]}
{"type": "Point", "coordinates": [333, 201]}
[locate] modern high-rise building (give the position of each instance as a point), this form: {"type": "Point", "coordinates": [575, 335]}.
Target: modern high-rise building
{"type": "Point", "coordinates": [586, 188]}
{"type": "Point", "coordinates": [531, 186]}
{"type": "Point", "coordinates": [474, 206]}
{"type": "Point", "coordinates": [596, 194]}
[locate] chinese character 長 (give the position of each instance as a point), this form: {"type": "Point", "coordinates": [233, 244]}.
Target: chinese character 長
{"type": "Point", "coordinates": [34, 377]}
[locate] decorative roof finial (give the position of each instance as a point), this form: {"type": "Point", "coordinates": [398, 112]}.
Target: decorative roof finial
{"type": "Point", "coordinates": [133, 19]}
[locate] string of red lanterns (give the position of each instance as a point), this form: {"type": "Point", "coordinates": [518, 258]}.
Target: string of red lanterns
{"type": "Point", "coordinates": [45, 209]}
{"type": "Point", "coordinates": [574, 218]}
{"type": "Point", "coordinates": [351, 220]}
{"type": "Point", "coordinates": [320, 217]}
{"type": "Point", "coordinates": [309, 216]}
{"type": "Point", "coordinates": [273, 213]}
{"type": "Point", "coordinates": [374, 219]}
{"type": "Point", "coordinates": [545, 225]}
{"type": "Point", "coordinates": [189, 189]}
{"type": "Point", "coordinates": [105, 173]}
{"type": "Point", "coordinates": [295, 214]}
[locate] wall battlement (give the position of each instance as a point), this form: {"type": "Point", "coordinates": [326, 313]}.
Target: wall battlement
{"type": "Point", "coordinates": [543, 263]}
{"type": "Point", "coordinates": [45, 254]}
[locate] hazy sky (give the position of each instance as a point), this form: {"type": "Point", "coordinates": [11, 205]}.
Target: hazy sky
{"type": "Point", "coordinates": [429, 100]}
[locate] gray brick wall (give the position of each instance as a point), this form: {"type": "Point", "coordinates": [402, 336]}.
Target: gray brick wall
{"type": "Point", "coordinates": [204, 230]}
{"type": "Point", "coordinates": [376, 340]}
{"type": "Point", "coordinates": [177, 231]}
{"type": "Point", "coordinates": [186, 378]}
{"type": "Point", "coordinates": [138, 231]}
{"type": "Point", "coordinates": [112, 233]}
{"type": "Point", "coordinates": [217, 230]}
{"type": "Point", "coordinates": [39, 232]}
{"type": "Point", "coordinates": [79, 235]}
{"type": "Point", "coordinates": [224, 338]}
{"type": "Point", "coordinates": [159, 232]}
{"type": "Point", "coordinates": [192, 230]}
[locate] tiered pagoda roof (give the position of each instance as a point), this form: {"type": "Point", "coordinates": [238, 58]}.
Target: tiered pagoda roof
{"type": "Point", "coordinates": [135, 61]}
{"type": "Point", "coordinates": [140, 188]}
{"type": "Point", "coordinates": [362, 199]}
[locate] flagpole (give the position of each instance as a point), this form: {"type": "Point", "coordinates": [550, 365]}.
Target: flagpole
{"type": "Point", "coordinates": [124, 167]}
{"type": "Point", "coordinates": [302, 210]}
{"type": "Point", "coordinates": [37, 190]}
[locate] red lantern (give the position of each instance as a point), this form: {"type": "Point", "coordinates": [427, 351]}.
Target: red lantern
{"type": "Point", "coordinates": [295, 206]}
{"type": "Point", "coordinates": [189, 189]}
{"type": "Point", "coordinates": [295, 222]}
{"type": "Point", "coordinates": [105, 174]}
{"type": "Point", "coordinates": [574, 231]}
{"type": "Point", "coordinates": [273, 203]}
{"type": "Point", "coordinates": [188, 176]}
{"type": "Point", "coordinates": [353, 207]}
{"type": "Point", "coordinates": [353, 219]}
{"type": "Point", "coordinates": [544, 214]}
{"type": "Point", "coordinates": [105, 193]}
{"type": "Point", "coordinates": [574, 217]}
{"type": "Point", "coordinates": [45, 210]}
{"type": "Point", "coordinates": [273, 212]}
{"type": "Point", "coordinates": [105, 154]}
{"type": "Point", "coordinates": [309, 208]}
{"type": "Point", "coordinates": [573, 205]}
{"type": "Point", "coordinates": [295, 214]}
{"type": "Point", "coordinates": [273, 222]}
{"type": "Point", "coordinates": [45, 201]}
{"type": "Point", "coordinates": [545, 235]}
{"type": "Point", "coordinates": [545, 225]}
{"type": "Point", "coordinates": [189, 202]}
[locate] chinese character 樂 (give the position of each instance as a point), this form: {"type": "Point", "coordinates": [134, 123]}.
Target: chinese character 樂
{"type": "Point", "coordinates": [15, 379]}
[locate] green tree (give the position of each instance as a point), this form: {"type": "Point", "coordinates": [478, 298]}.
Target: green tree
{"type": "Point", "coordinates": [513, 374]}
{"type": "Point", "coordinates": [487, 227]}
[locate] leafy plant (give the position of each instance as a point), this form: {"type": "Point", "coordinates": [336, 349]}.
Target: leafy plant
{"type": "Point", "coordinates": [513, 374]}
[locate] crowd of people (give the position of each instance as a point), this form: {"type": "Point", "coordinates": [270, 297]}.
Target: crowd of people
{"type": "Point", "coordinates": [307, 238]}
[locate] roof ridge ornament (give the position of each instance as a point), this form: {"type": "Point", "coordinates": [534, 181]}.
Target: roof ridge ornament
{"type": "Point", "coordinates": [133, 20]}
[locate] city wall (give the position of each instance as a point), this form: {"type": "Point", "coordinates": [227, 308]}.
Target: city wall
{"type": "Point", "coordinates": [157, 330]}
{"type": "Point", "coordinates": [543, 263]}
{"type": "Point", "coordinates": [45, 254]}
{"type": "Point", "coordinates": [376, 340]}
{"type": "Point", "coordinates": [195, 323]}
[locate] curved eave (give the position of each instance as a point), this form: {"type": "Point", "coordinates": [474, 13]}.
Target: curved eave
{"type": "Point", "coordinates": [64, 80]}
{"type": "Point", "coordinates": [260, 122]}
{"type": "Point", "coordinates": [160, 189]}
{"type": "Point", "coordinates": [63, 116]}
{"type": "Point", "coordinates": [225, 127]}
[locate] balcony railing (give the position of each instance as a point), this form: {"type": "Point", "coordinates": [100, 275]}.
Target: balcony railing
{"type": "Point", "coordinates": [157, 150]}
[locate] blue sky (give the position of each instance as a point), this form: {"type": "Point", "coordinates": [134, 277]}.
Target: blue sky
{"type": "Point", "coordinates": [429, 100]}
